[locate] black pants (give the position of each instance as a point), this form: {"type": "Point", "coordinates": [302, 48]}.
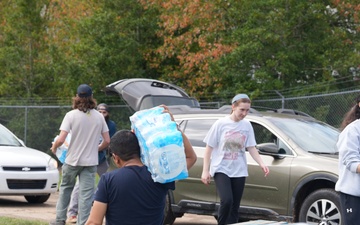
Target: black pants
{"type": "Point", "coordinates": [230, 191]}
{"type": "Point", "coordinates": [350, 209]}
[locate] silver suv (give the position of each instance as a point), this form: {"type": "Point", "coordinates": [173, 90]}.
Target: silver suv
{"type": "Point", "coordinates": [299, 150]}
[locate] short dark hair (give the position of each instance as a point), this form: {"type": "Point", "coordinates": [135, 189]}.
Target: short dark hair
{"type": "Point", "coordinates": [125, 144]}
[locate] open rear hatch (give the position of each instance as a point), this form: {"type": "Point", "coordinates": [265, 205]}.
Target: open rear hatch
{"type": "Point", "coordinates": [141, 93]}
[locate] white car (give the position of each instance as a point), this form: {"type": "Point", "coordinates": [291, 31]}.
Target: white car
{"type": "Point", "coordinates": [26, 171]}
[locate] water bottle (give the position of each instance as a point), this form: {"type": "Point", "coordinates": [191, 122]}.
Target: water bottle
{"type": "Point", "coordinates": [162, 148]}
{"type": "Point", "coordinates": [147, 113]}
{"type": "Point", "coordinates": [168, 163]}
{"type": "Point", "coordinates": [61, 154]}
{"type": "Point", "coordinates": [61, 151]}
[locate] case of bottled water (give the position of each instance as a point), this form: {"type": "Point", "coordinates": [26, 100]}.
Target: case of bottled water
{"type": "Point", "coordinates": [62, 150]}
{"type": "Point", "coordinates": [162, 148]}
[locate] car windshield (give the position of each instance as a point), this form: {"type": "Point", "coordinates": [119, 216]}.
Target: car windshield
{"type": "Point", "coordinates": [7, 138]}
{"type": "Point", "coordinates": [311, 136]}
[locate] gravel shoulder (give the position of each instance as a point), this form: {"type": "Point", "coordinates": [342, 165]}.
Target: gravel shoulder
{"type": "Point", "coordinates": [17, 207]}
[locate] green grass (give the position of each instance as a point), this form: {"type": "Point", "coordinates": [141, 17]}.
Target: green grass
{"type": "Point", "coordinates": [17, 221]}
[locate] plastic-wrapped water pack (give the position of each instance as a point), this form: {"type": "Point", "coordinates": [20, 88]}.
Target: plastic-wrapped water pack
{"type": "Point", "coordinates": [162, 148]}
{"type": "Point", "coordinates": [62, 150]}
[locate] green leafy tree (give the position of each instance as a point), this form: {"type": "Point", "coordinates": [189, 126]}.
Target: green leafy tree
{"type": "Point", "coordinates": [22, 59]}
{"type": "Point", "coordinates": [285, 44]}
{"type": "Point", "coordinates": [218, 48]}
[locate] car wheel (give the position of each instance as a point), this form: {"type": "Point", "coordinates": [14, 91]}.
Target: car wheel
{"type": "Point", "coordinates": [321, 207]}
{"type": "Point", "coordinates": [169, 217]}
{"type": "Point", "coordinates": [37, 198]}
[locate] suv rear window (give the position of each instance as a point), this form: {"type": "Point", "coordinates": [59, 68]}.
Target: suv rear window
{"type": "Point", "coordinates": [196, 130]}
{"type": "Point", "coordinates": [153, 100]}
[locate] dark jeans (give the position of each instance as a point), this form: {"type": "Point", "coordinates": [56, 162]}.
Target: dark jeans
{"type": "Point", "coordinates": [350, 209]}
{"type": "Point", "coordinates": [230, 191]}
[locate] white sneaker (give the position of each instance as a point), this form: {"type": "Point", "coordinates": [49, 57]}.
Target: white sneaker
{"type": "Point", "coordinates": [71, 219]}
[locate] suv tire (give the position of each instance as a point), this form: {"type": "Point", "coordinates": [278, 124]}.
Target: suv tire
{"type": "Point", "coordinates": [322, 205]}
{"type": "Point", "coordinates": [169, 217]}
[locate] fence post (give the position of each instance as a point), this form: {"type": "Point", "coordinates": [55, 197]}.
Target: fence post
{"type": "Point", "coordinates": [25, 127]}
{"type": "Point", "coordinates": [282, 99]}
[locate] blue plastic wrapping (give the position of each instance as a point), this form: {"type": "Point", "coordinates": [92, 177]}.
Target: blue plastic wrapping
{"type": "Point", "coordinates": [62, 150]}
{"type": "Point", "coordinates": [162, 148]}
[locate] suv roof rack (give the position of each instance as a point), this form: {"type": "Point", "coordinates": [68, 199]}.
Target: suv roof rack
{"type": "Point", "coordinates": [284, 111]}
{"type": "Point", "coordinates": [292, 112]}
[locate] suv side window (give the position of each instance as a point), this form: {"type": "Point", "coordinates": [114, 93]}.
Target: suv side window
{"type": "Point", "coordinates": [263, 135]}
{"type": "Point", "coordinates": [196, 130]}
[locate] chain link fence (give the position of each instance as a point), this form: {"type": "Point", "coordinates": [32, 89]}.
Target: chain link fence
{"type": "Point", "coordinates": [37, 125]}
{"type": "Point", "coordinates": [329, 108]}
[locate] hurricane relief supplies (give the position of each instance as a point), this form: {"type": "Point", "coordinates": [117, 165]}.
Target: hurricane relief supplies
{"type": "Point", "coordinates": [161, 143]}
{"type": "Point", "coordinates": [62, 150]}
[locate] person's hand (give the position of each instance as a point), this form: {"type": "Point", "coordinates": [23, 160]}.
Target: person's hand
{"type": "Point", "coordinates": [53, 150]}
{"type": "Point", "coordinates": [266, 170]}
{"type": "Point", "coordinates": [166, 110]}
{"type": "Point", "coordinates": [205, 177]}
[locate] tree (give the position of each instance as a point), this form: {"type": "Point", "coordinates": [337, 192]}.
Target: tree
{"type": "Point", "coordinates": [191, 34]}
{"type": "Point", "coordinates": [284, 44]}
{"type": "Point", "coordinates": [99, 42]}
{"type": "Point", "coordinates": [218, 48]}
{"type": "Point", "coordinates": [114, 41]}
{"type": "Point", "coordinates": [211, 48]}
{"type": "Point", "coordinates": [22, 62]}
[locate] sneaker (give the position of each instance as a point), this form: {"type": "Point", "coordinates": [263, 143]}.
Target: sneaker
{"type": "Point", "coordinates": [71, 219]}
{"type": "Point", "coordinates": [54, 222]}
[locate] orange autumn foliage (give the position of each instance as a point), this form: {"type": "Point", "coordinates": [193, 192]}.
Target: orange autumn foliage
{"type": "Point", "coordinates": [190, 32]}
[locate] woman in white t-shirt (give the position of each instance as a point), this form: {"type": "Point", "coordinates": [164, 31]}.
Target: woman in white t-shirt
{"type": "Point", "coordinates": [226, 142]}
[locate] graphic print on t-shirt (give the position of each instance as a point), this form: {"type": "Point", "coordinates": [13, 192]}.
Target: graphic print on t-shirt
{"type": "Point", "coordinates": [234, 145]}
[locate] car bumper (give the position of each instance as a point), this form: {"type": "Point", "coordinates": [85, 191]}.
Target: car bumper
{"type": "Point", "coordinates": [24, 183]}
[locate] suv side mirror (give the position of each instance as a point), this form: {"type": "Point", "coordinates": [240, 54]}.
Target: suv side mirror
{"type": "Point", "coordinates": [269, 149]}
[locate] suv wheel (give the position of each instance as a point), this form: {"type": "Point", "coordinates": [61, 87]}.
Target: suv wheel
{"type": "Point", "coordinates": [321, 207]}
{"type": "Point", "coordinates": [169, 217]}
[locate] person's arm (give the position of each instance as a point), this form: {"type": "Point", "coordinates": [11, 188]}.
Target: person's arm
{"type": "Point", "coordinates": [97, 214]}
{"type": "Point", "coordinates": [59, 141]}
{"type": "Point", "coordinates": [205, 176]}
{"type": "Point", "coordinates": [189, 152]}
{"type": "Point", "coordinates": [105, 141]}
{"type": "Point", "coordinates": [256, 156]}
{"type": "Point", "coordinates": [348, 146]}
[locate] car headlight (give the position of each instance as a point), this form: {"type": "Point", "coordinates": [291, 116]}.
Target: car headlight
{"type": "Point", "coordinates": [53, 164]}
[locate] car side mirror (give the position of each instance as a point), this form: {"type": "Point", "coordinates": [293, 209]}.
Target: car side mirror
{"type": "Point", "coordinates": [269, 149]}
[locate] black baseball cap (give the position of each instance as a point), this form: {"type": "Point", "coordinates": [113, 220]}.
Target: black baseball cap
{"type": "Point", "coordinates": [84, 91]}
